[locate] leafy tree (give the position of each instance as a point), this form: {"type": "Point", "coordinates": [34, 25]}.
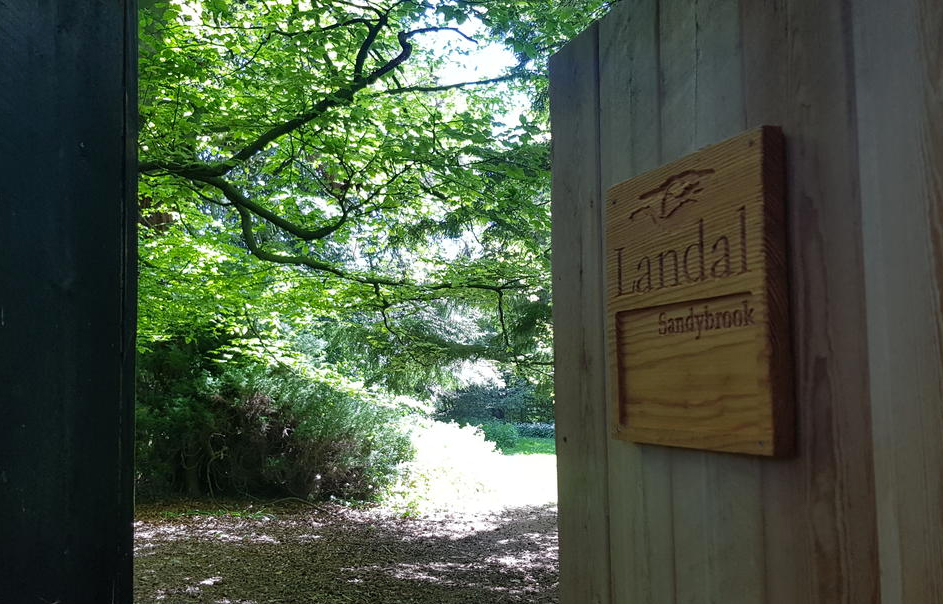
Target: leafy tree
{"type": "Point", "coordinates": [312, 162]}
{"type": "Point", "coordinates": [518, 401]}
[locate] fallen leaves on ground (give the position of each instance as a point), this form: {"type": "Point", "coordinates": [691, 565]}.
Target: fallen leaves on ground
{"type": "Point", "coordinates": [298, 553]}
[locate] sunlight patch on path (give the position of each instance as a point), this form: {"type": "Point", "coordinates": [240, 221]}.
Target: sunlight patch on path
{"type": "Point", "coordinates": [457, 473]}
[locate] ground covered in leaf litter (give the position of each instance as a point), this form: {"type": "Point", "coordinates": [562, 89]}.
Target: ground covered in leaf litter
{"type": "Point", "coordinates": [293, 552]}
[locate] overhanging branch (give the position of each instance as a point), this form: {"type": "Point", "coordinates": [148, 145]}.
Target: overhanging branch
{"type": "Point", "coordinates": [443, 87]}
{"type": "Point", "coordinates": [252, 243]}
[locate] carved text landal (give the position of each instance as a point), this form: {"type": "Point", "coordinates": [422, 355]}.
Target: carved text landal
{"type": "Point", "coordinates": [724, 257]}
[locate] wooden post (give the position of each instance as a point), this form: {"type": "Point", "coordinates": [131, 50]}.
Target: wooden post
{"type": "Point", "coordinates": [898, 53]}
{"type": "Point", "coordinates": [67, 299]}
{"type": "Point", "coordinates": [577, 242]}
{"type": "Point", "coordinates": [854, 517]}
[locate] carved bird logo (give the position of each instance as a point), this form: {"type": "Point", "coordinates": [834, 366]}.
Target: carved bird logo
{"type": "Point", "coordinates": [679, 190]}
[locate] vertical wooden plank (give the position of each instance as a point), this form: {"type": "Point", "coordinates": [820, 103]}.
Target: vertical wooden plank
{"type": "Point", "coordinates": [787, 526]}
{"type": "Point", "coordinates": [642, 540]}
{"type": "Point", "coordinates": [898, 64]}
{"type": "Point", "coordinates": [578, 341]}
{"type": "Point", "coordinates": [818, 508]}
{"type": "Point", "coordinates": [67, 299]}
{"type": "Point", "coordinates": [837, 508]}
{"type": "Point", "coordinates": [717, 513]}
{"type": "Point", "coordinates": [735, 549]}
{"type": "Point", "coordinates": [689, 488]}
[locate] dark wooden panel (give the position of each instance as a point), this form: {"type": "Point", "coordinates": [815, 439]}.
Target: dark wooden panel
{"type": "Point", "coordinates": [67, 249]}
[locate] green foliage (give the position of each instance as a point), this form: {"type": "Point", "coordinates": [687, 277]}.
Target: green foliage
{"type": "Point", "coordinates": [536, 430]}
{"type": "Point", "coordinates": [304, 161]}
{"type": "Point", "coordinates": [242, 427]}
{"type": "Point", "coordinates": [533, 446]}
{"type": "Point", "coordinates": [324, 217]}
{"type": "Point", "coordinates": [502, 434]}
{"type": "Point", "coordinates": [519, 401]}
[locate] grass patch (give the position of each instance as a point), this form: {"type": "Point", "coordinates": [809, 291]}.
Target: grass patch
{"type": "Point", "coordinates": [531, 446]}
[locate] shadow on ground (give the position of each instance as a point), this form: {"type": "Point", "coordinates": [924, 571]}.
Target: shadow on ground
{"type": "Point", "coordinates": [339, 556]}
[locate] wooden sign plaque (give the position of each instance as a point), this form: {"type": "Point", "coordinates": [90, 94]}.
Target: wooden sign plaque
{"type": "Point", "coordinates": [697, 319]}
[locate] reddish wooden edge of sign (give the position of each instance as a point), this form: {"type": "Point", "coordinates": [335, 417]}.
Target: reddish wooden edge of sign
{"type": "Point", "coordinates": [777, 292]}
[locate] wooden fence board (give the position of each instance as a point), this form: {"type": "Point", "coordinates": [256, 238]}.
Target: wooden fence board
{"type": "Point", "coordinates": [734, 503]}
{"type": "Point", "coordinates": [764, 34]}
{"type": "Point", "coordinates": [579, 354]}
{"type": "Point", "coordinates": [823, 208]}
{"type": "Point", "coordinates": [898, 61]}
{"type": "Point", "coordinates": [678, 51]}
{"type": "Point", "coordinates": [642, 542]}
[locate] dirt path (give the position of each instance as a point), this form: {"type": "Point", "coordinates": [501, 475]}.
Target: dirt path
{"type": "Point", "coordinates": [295, 553]}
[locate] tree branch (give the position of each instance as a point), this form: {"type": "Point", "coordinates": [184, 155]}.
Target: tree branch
{"type": "Point", "coordinates": [426, 30]}
{"type": "Point", "coordinates": [241, 201]}
{"type": "Point", "coordinates": [341, 96]}
{"type": "Point", "coordinates": [440, 88]}
{"type": "Point", "coordinates": [504, 327]}
{"type": "Point", "coordinates": [256, 249]}
{"type": "Point", "coordinates": [364, 51]}
{"type": "Point", "coordinates": [320, 30]}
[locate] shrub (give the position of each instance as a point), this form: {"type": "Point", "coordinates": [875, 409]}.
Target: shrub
{"type": "Point", "coordinates": [244, 428]}
{"type": "Point", "coordinates": [502, 434]}
{"type": "Point", "coordinates": [536, 430]}
{"type": "Point", "coordinates": [307, 438]}
{"type": "Point", "coordinates": [519, 401]}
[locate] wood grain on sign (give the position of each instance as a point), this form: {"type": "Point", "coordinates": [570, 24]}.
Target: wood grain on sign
{"type": "Point", "coordinates": [697, 305]}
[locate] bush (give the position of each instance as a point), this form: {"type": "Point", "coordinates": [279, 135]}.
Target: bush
{"type": "Point", "coordinates": [502, 434]}
{"type": "Point", "coordinates": [244, 428]}
{"type": "Point", "coordinates": [536, 430]}
{"type": "Point", "coordinates": [519, 401]}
